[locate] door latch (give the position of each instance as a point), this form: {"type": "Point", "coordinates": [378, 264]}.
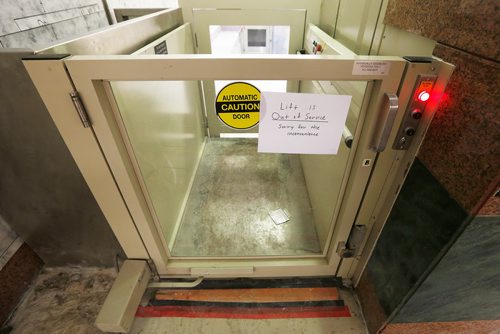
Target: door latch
{"type": "Point", "coordinates": [351, 248]}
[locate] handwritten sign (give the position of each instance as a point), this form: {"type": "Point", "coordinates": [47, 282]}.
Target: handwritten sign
{"type": "Point", "coordinates": [302, 123]}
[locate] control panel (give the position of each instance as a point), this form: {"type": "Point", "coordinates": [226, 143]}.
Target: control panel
{"type": "Point", "coordinates": [414, 112]}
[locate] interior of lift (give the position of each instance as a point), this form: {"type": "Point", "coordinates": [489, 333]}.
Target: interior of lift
{"type": "Point", "coordinates": [215, 195]}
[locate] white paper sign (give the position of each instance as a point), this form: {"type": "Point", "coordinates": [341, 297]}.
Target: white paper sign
{"type": "Point", "coordinates": [301, 123]}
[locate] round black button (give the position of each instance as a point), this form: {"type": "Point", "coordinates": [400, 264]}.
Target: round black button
{"type": "Point", "coordinates": [416, 113]}
{"type": "Point", "coordinates": [410, 131]}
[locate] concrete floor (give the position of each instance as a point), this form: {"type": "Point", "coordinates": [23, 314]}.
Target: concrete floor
{"type": "Point", "coordinates": [63, 300]}
{"type": "Point", "coordinates": [67, 300]}
{"type": "Point", "coordinates": [234, 191]}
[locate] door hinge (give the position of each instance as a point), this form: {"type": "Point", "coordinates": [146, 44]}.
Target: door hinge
{"type": "Point", "coordinates": [154, 270]}
{"type": "Point", "coordinates": [80, 109]}
{"type": "Point", "coordinates": [353, 245]}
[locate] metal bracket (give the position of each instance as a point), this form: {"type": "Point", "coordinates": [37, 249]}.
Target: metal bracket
{"type": "Point", "coordinates": [351, 248]}
{"type": "Point", "coordinates": [172, 284]}
{"type": "Point", "coordinates": [118, 310]}
{"type": "Point", "coordinates": [154, 270]}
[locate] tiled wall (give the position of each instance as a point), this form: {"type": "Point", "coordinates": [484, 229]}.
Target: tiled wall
{"type": "Point", "coordinates": [453, 178]}
{"type": "Point", "coordinates": [30, 22]}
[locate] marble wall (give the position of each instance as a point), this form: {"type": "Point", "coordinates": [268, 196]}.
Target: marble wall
{"type": "Point", "coordinates": [28, 22]}
{"type": "Point", "coordinates": [422, 222]}
{"type": "Point", "coordinates": [465, 284]}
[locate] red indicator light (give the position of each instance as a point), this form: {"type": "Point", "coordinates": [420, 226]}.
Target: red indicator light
{"type": "Point", "coordinates": [423, 96]}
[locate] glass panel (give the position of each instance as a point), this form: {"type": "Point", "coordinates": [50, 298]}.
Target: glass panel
{"type": "Point", "coordinates": [219, 197]}
{"type": "Point", "coordinates": [324, 174]}
{"type": "Point", "coordinates": [257, 37]}
{"type": "Point", "coordinates": [164, 125]}
{"type": "Point", "coordinates": [249, 39]}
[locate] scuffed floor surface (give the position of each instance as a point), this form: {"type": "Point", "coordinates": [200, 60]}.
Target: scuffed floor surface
{"type": "Point", "coordinates": [341, 325]}
{"type": "Point", "coordinates": [235, 189]}
{"type": "Point", "coordinates": [67, 301]}
{"type": "Point", "coordinates": [63, 301]}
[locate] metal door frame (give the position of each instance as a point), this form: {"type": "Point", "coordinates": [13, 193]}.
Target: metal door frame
{"type": "Point", "coordinates": [88, 76]}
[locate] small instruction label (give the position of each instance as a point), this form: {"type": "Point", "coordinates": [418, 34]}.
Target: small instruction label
{"type": "Point", "coordinates": [161, 48]}
{"type": "Point", "coordinates": [302, 123]}
{"type": "Point", "coordinates": [368, 67]}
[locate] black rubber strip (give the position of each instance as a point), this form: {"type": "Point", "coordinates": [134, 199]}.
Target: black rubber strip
{"type": "Point", "coordinates": [42, 56]}
{"type": "Point", "coordinates": [249, 283]}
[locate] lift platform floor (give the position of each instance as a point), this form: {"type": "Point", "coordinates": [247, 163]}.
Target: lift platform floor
{"type": "Point", "coordinates": [234, 191]}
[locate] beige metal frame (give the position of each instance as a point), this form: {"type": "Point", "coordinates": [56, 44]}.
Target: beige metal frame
{"type": "Point", "coordinates": [393, 166]}
{"type": "Point", "coordinates": [108, 169]}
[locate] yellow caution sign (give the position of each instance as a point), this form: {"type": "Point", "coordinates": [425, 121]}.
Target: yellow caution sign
{"type": "Point", "coordinates": [238, 105]}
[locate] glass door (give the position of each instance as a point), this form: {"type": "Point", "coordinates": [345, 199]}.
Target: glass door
{"type": "Point", "coordinates": [221, 204]}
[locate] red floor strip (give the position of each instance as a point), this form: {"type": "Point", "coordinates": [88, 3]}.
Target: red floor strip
{"type": "Point", "coordinates": [242, 313]}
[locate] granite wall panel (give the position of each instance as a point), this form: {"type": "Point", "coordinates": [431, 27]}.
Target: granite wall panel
{"type": "Point", "coordinates": [465, 284]}
{"type": "Point", "coordinates": [462, 146]}
{"type": "Point", "coordinates": [458, 166]}
{"type": "Point", "coordinates": [15, 278]}
{"type": "Point", "coordinates": [423, 221]}
{"type": "Point", "coordinates": [492, 206]}
{"type": "Point", "coordinates": [470, 25]}
{"type": "Point", "coordinates": [455, 327]}
{"type": "Point", "coordinates": [373, 312]}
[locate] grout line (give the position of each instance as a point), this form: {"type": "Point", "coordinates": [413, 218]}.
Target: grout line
{"type": "Point", "coordinates": [47, 25]}
{"type": "Point", "coordinates": [56, 11]}
{"type": "Point", "coordinates": [468, 52]}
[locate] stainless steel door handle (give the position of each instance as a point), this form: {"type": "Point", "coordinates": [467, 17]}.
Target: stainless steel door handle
{"type": "Point", "coordinates": [347, 137]}
{"type": "Point", "coordinates": [390, 108]}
